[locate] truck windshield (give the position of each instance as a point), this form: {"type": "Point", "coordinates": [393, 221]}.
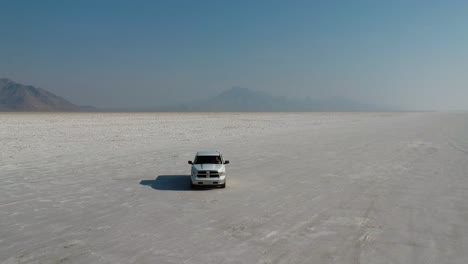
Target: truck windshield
{"type": "Point", "coordinates": [207, 160]}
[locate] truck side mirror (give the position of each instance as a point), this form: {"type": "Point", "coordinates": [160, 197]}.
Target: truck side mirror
{"type": "Point", "coordinates": [190, 162]}
{"type": "Point", "coordinates": [226, 162]}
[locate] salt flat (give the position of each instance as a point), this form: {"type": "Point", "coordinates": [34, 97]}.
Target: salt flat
{"type": "Point", "coordinates": [302, 188]}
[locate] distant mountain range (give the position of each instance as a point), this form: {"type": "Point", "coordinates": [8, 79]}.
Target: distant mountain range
{"type": "Point", "coordinates": [19, 97]}
{"type": "Point", "coordinates": [239, 99]}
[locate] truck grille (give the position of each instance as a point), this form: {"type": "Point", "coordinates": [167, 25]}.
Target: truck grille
{"type": "Point", "coordinates": [208, 174]}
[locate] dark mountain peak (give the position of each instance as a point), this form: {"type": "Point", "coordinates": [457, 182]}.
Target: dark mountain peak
{"type": "Point", "coordinates": [19, 97]}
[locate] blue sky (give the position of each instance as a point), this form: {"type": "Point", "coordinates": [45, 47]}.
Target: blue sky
{"type": "Point", "coordinates": [412, 54]}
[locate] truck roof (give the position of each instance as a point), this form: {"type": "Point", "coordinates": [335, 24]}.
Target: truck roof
{"type": "Point", "coordinates": [208, 153]}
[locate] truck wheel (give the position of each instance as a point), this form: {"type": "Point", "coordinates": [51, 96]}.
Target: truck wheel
{"type": "Point", "coordinates": [223, 185]}
{"type": "Point", "coordinates": [193, 186]}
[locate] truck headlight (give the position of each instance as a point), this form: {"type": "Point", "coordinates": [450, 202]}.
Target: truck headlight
{"type": "Point", "coordinates": [222, 173]}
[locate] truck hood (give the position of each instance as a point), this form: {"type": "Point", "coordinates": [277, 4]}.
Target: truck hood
{"type": "Point", "coordinates": [213, 167]}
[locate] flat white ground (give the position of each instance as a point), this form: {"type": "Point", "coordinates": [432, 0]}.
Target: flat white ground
{"type": "Point", "coordinates": [302, 188]}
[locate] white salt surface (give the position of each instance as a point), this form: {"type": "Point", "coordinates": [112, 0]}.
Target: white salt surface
{"type": "Point", "coordinates": [302, 188]}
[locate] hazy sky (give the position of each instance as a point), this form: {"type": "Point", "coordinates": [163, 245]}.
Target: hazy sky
{"type": "Point", "coordinates": [412, 54]}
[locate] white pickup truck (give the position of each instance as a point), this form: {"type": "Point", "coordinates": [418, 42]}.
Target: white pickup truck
{"type": "Point", "coordinates": [208, 169]}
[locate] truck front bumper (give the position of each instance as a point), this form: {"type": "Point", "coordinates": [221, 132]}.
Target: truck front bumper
{"type": "Point", "coordinates": [208, 181]}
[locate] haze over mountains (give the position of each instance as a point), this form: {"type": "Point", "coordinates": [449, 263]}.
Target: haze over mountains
{"type": "Point", "coordinates": [19, 97]}
{"type": "Point", "coordinates": [238, 99]}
